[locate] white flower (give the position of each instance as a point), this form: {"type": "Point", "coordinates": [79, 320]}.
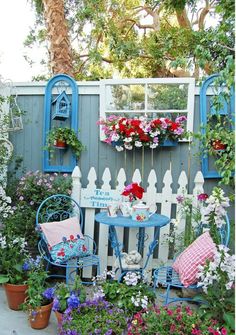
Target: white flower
{"type": "Point", "coordinates": [131, 278]}
{"type": "Point", "coordinates": [128, 146]}
{"type": "Point", "coordinates": [229, 285]}
{"type": "Point", "coordinates": [153, 145]}
{"type": "Point", "coordinates": [119, 148]}
{"type": "Point", "coordinates": [115, 137]}
{"type": "Point", "coordinates": [128, 139]}
{"type": "Point", "coordinates": [138, 144]}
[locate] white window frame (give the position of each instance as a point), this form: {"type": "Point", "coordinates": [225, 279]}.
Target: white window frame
{"type": "Point", "coordinates": [189, 112]}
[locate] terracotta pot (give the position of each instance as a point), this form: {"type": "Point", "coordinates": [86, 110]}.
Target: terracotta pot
{"type": "Point", "coordinates": [60, 144]}
{"type": "Point", "coordinates": [218, 145]}
{"type": "Point", "coordinates": [41, 319]}
{"type": "Point", "coordinates": [16, 295]}
{"type": "Point", "coordinates": [59, 316]}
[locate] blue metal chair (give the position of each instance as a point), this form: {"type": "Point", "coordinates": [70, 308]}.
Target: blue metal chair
{"type": "Point", "coordinates": [168, 278]}
{"type": "Point", "coordinates": [57, 208]}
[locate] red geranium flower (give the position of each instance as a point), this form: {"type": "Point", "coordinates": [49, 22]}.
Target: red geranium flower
{"type": "Point", "coordinates": [134, 191]}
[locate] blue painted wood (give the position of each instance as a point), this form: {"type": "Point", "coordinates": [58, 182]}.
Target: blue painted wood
{"type": "Point", "coordinates": [203, 113]}
{"type": "Point", "coordinates": [70, 163]}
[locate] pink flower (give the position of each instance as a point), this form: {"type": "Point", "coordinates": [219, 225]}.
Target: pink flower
{"type": "Point", "coordinates": [202, 197]}
{"type": "Point", "coordinates": [223, 331]}
{"type": "Point", "coordinates": [170, 312]}
{"type": "Point", "coordinates": [172, 328]}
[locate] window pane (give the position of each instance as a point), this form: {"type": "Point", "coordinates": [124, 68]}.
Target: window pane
{"type": "Point", "coordinates": [167, 96]}
{"type": "Point", "coordinates": [129, 97]}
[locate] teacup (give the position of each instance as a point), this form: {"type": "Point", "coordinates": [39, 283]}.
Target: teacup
{"type": "Point", "coordinates": [112, 210]}
{"type": "Point", "coordinates": [125, 209]}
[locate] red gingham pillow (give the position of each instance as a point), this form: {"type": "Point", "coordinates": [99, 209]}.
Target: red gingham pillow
{"type": "Point", "coordinates": [186, 264]}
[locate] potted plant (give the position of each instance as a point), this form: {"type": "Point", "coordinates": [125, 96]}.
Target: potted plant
{"type": "Point", "coordinates": [218, 140]}
{"type": "Point", "coordinates": [62, 137]}
{"type": "Point", "coordinates": [12, 254]}
{"type": "Point", "coordinates": [66, 296]}
{"type": "Point", "coordinates": [37, 304]}
{"type": "Point", "coordinates": [13, 276]}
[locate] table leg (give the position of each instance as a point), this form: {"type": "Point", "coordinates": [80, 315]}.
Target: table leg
{"type": "Point", "coordinates": [151, 247]}
{"type": "Point", "coordinates": [115, 244]}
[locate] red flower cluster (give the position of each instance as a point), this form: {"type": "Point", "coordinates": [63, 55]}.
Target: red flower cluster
{"type": "Point", "coordinates": [134, 191]}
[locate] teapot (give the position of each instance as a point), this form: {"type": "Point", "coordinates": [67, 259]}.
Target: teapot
{"type": "Point", "coordinates": [140, 212]}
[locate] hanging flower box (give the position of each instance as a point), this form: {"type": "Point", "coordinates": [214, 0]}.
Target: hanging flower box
{"type": "Point", "coordinates": [129, 133]}
{"type": "Point", "coordinates": [169, 143]}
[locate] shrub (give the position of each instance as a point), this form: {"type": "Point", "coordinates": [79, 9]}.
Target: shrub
{"type": "Point", "coordinates": [31, 190]}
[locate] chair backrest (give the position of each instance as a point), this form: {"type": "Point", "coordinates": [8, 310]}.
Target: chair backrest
{"type": "Point", "coordinates": [58, 207]}
{"type": "Point", "coordinates": [223, 231]}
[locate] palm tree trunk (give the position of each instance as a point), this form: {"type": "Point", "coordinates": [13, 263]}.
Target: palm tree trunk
{"type": "Point", "coordinates": [58, 35]}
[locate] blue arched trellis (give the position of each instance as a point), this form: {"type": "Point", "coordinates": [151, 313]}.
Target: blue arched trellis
{"type": "Point", "coordinates": [227, 109]}
{"type": "Point", "coordinates": [59, 164]}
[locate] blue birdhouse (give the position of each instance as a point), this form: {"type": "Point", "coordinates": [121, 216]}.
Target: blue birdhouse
{"type": "Point", "coordinates": [61, 107]}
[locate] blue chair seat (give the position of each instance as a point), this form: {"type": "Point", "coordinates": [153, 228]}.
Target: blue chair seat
{"type": "Point", "coordinates": [168, 278]}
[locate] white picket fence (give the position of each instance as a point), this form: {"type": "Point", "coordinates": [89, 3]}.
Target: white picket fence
{"type": "Point", "coordinates": [166, 198]}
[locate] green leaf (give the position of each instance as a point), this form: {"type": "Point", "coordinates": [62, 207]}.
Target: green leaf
{"type": "Point", "coordinates": [4, 279]}
{"type": "Point", "coordinates": [229, 319]}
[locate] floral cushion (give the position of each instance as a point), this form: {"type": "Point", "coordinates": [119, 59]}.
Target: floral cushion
{"type": "Point", "coordinates": [187, 263]}
{"type": "Point", "coordinates": [66, 250]}
{"type": "Point", "coordinates": [64, 239]}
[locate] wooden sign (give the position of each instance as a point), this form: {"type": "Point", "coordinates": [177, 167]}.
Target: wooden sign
{"type": "Point", "coordinates": [98, 198]}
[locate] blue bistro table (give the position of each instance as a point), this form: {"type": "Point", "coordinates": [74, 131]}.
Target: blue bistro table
{"type": "Point", "coordinates": [156, 220]}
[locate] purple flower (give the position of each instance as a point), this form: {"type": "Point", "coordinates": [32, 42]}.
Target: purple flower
{"type": "Point", "coordinates": [180, 119]}
{"type": "Point", "coordinates": [180, 199]}
{"type": "Point", "coordinates": [56, 304]}
{"type": "Point", "coordinates": [49, 293]}
{"type": "Point", "coordinates": [26, 266]}
{"type": "Point", "coordinates": [73, 301]}
{"type": "Point", "coordinates": [109, 332]}
{"type": "Point", "coordinates": [202, 197]}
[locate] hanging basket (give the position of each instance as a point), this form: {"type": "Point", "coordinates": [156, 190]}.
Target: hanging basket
{"type": "Point", "coordinates": [60, 144]}
{"type": "Point", "coordinates": [217, 145]}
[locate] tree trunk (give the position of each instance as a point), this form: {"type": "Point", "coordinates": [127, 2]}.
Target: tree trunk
{"type": "Point", "coordinates": [183, 20]}
{"type": "Point", "coordinates": [58, 35]}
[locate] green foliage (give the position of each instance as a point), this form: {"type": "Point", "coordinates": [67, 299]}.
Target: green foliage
{"type": "Point", "coordinates": [219, 128]}
{"type": "Point", "coordinates": [36, 286]}
{"type": "Point", "coordinates": [121, 295]}
{"type": "Point", "coordinates": [13, 253]}
{"type": "Point", "coordinates": [218, 289]}
{"type": "Point", "coordinates": [66, 135]}
{"type": "Point", "coordinates": [118, 41]}
{"type": "Point", "coordinates": [62, 292]}
{"type": "Point", "coordinates": [27, 194]}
